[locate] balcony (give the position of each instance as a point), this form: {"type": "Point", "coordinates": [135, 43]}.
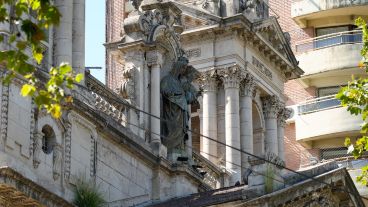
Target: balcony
{"type": "Point", "coordinates": [324, 118]}
{"type": "Point", "coordinates": [330, 56]}
{"type": "Point", "coordinates": [330, 40]}
{"type": "Point", "coordinates": [304, 12]}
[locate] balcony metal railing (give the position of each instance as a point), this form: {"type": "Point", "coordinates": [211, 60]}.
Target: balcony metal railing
{"type": "Point", "coordinates": [348, 37]}
{"type": "Point", "coordinates": [319, 104]}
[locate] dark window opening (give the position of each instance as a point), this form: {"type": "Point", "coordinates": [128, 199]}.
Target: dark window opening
{"type": "Point", "coordinates": [48, 139]}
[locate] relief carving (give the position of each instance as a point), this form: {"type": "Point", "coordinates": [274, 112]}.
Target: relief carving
{"type": "Point", "coordinates": [57, 159]}
{"type": "Point", "coordinates": [128, 87]}
{"type": "Point", "coordinates": [67, 150]}
{"type": "Point", "coordinates": [4, 114]}
{"type": "Point", "coordinates": [37, 148]}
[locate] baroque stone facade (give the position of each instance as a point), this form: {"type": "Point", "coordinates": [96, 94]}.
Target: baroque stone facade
{"type": "Point", "coordinates": [113, 136]}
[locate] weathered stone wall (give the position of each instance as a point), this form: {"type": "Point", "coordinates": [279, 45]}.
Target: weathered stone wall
{"type": "Point", "coordinates": [79, 151]}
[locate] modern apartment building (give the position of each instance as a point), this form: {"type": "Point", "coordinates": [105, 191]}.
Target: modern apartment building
{"type": "Point", "coordinates": [327, 45]}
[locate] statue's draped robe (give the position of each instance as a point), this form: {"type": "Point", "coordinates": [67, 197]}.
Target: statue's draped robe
{"type": "Point", "coordinates": [174, 113]}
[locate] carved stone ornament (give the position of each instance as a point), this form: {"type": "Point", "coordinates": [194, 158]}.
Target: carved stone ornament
{"type": "Point", "coordinates": [57, 159]}
{"type": "Point", "coordinates": [283, 115]}
{"type": "Point", "coordinates": [231, 76]}
{"type": "Point", "coordinates": [128, 87]}
{"type": "Point", "coordinates": [67, 150]}
{"type": "Point", "coordinates": [161, 23]}
{"type": "Point", "coordinates": [271, 105]}
{"type": "Point", "coordinates": [37, 148]}
{"type": "Point", "coordinates": [4, 114]}
{"type": "Point", "coordinates": [207, 81]}
{"type": "Point", "coordinates": [247, 86]}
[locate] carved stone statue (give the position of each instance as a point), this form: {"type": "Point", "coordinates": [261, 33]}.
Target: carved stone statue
{"type": "Point", "coordinates": [177, 92]}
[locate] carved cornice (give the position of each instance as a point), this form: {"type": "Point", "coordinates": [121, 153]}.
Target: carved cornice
{"type": "Point", "coordinates": [208, 81]}
{"type": "Point", "coordinates": [24, 191]}
{"type": "Point", "coordinates": [231, 76]}
{"type": "Point", "coordinates": [271, 106]}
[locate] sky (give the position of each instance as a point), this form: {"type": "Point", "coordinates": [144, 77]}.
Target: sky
{"type": "Point", "coordinates": [95, 37]}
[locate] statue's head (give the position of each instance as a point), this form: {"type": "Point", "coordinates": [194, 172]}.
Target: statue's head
{"type": "Point", "coordinates": [180, 65]}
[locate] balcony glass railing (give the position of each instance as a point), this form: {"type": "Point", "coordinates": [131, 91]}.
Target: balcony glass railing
{"type": "Point", "coordinates": [348, 37]}
{"type": "Point", "coordinates": [318, 104]}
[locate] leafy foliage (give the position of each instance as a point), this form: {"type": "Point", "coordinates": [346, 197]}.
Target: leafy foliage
{"type": "Point", "coordinates": [28, 20]}
{"type": "Point", "coordinates": [355, 97]}
{"type": "Point", "coordinates": [87, 195]}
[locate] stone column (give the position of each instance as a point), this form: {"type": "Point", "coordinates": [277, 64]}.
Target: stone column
{"type": "Point", "coordinates": [270, 110]}
{"type": "Point", "coordinates": [281, 121]}
{"type": "Point", "coordinates": [63, 50]}
{"type": "Point", "coordinates": [154, 60]}
{"type": "Point", "coordinates": [231, 80]}
{"type": "Point", "coordinates": [78, 36]}
{"type": "Point", "coordinates": [246, 121]}
{"type": "Point", "coordinates": [208, 83]}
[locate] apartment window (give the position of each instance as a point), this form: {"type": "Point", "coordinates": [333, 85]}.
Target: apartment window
{"type": "Point", "coordinates": [332, 30]}
{"type": "Point", "coordinates": [332, 153]}
{"type": "Point", "coordinates": [328, 91]}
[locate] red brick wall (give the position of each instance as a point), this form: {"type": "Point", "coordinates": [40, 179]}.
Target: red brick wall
{"type": "Point", "coordinates": [295, 154]}
{"type": "Point", "coordinates": [282, 9]}
{"type": "Point", "coordinates": [114, 29]}
{"type": "Point", "coordinates": [296, 93]}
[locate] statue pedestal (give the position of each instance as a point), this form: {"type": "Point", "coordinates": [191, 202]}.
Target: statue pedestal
{"type": "Point", "coordinates": [179, 156]}
{"type": "Point", "coordinates": [265, 177]}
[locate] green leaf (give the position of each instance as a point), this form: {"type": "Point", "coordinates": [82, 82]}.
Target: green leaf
{"type": "Point", "coordinates": [55, 111]}
{"type": "Point", "coordinates": [27, 90]}
{"type": "Point", "coordinates": [38, 57]}
{"type": "Point", "coordinates": [65, 68]}
{"type": "Point", "coordinates": [79, 77]}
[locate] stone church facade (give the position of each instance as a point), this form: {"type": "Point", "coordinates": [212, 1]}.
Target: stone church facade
{"type": "Point", "coordinates": [239, 59]}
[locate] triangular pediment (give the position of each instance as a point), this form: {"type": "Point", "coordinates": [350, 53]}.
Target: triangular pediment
{"type": "Point", "coordinates": [270, 31]}
{"type": "Point", "coordinates": [193, 17]}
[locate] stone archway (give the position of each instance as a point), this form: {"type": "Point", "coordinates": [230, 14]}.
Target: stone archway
{"type": "Point", "coordinates": [258, 130]}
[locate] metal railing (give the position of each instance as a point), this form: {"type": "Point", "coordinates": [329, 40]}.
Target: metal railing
{"type": "Point", "coordinates": [347, 37]}
{"type": "Point", "coordinates": [319, 104]}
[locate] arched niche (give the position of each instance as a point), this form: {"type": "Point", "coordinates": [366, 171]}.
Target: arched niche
{"type": "Point", "coordinates": [258, 130]}
{"type": "Point", "coordinates": [54, 124]}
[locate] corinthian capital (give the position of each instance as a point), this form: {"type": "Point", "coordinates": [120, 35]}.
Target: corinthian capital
{"type": "Point", "coordinates": [271, 106]}
{"type": "Point", "coordinates": [231, 76]}
{"type": "Point", "coordinates": [247, 85]}
{"type": "Point", "coordinates": [154, 57]}
{"type": "Point", "coordinates": [208, 81]}
{"type": "Point", "coordinates": [283, 115]}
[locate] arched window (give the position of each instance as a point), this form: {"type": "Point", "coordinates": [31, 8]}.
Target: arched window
{"type": "Point", "coordinates": [48, 139]}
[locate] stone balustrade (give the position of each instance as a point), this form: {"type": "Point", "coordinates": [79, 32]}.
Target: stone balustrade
{"type": "Point", "coordinates": [213, 176]}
